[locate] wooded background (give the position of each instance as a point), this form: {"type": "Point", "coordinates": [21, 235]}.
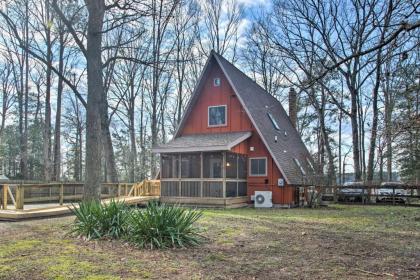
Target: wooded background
{"type": "Point", "coordinates": [87, 87]}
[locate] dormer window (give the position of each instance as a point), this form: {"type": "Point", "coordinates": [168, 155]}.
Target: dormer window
{"type": "Point", "coordinates": [216, 82]}
{"type": "Point", "coordinates": [273, 121]}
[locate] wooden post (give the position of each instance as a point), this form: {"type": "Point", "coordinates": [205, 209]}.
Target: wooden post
{"type": "Point", "coordinates": [224, 174]}
{"type": "Point", "coordinates": [335, 194]}
{"type": "Point", "coordinates": [61, 196]}
{"type": "Point", "coordinates": [19, 197]}
{"type": "Point", "coordinates": [393, 195]}
{"type": "Point", "coordinates": [5, 191]}
{"type": "Point", "coordinates": [201, 173]}
{"type": "Point", "coordinates": [119, 190]}
{"type": "Point", "coordinates": [179, 174]}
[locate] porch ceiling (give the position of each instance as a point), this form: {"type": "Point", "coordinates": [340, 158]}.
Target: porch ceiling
{"type": "Point", "coordinates": [203, 142]}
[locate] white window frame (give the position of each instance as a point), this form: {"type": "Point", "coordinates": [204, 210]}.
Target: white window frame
{"type": "Point", "coordinates": [208, 116]}
{"type": "Point", "coordinates": [250, 167]}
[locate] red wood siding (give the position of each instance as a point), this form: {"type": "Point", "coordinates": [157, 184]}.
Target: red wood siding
{"type": "Point", "coordinates": [237, 120]}
{"type": "Point", "coordinates": [281, 195]}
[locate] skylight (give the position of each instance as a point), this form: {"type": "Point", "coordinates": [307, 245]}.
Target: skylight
{"type": "Point", "coordinates": [273, 121]}
{"type": "Point", "coordinates": [300, 166]}
{"type": "Point", "coordinates": [310, 164]}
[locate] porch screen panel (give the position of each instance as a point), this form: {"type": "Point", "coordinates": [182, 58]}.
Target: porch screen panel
{"type": "Point", "coordinates": [231, 189]}
{"type": "Point", "coordinates": [212, 165]}
{"type": "Point", "coordinates": [169, 188]}
{"type": "Point", "coordinates": [242, 166]}
{"type": "Point", "coordinates": [231, 165]}
{"type": "Point", "coordinates": [212, 189]}
{"type": "Point", "coordinates": [170, 166]}
{"type": "Point", "coordinates": [190, 165]}
{"type": "Point", "coordinates": [242, 186]}
{"type": "Point", "coordinates": [190, 188]}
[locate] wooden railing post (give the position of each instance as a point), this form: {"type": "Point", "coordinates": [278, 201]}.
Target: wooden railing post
{"type": "Point", "coordinates": [335, 194]}
{"type": "Point", "coordinates": [61, 196]}
{"type": "Point", "coordinates": [20, 194]}
{"type": "Point", "coordinates": [119, 190]}
{"type": "Point", "coordinates": [224, 175]}
{"type": "Point", "coordinates": [5, 191]}
{"type": "Point", "coordinates": [393, 195]}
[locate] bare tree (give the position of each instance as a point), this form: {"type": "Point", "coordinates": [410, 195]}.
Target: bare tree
{"type": "Point", "coordinates": [219, 28]}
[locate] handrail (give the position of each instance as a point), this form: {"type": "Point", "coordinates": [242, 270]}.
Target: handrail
{"type": "Point", "coordinates": [146, 188]}
{"type": "Point", "coordinates": [61, 191]}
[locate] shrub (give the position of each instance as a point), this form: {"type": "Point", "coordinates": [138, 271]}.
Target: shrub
{"type": "Point", "coordinates": [96, 220]}
{"type": "Point", "coordinates": [164, 226]}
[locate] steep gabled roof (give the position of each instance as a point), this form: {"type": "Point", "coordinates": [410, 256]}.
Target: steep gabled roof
{"type": "Point", "coordinates": [284, 145]}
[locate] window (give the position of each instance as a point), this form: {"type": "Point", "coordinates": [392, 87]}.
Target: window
{"type": "Point", "coordinates": [258, 166]}
{"type": "Point", "coordinates": [216, 82]}
{"type": "Point", "coordinates": [273, 121]}
{"type": "Point", "coordinates": [300, 166]}
{"type": "Point", "coordinates": [217, 115]}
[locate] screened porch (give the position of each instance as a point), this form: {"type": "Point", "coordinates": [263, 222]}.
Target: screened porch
{"type": "Point", "coordinates": [204, 175]}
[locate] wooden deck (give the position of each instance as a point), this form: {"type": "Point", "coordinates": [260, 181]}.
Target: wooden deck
{"type": "Point", "coordinates": [31, 201]}
{"type": "Point", "coordinates": [35, 211]}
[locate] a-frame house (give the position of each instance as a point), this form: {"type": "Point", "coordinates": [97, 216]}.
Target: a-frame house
{"type": "Point", "coordinates": [233, 140]}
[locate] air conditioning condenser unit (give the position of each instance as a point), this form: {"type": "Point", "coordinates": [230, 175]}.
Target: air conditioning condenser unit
{"type": "Point", "coordinates": [263, 199]}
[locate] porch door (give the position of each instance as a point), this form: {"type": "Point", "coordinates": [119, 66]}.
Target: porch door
{"type": "Point", "coordinates": [215, 165]}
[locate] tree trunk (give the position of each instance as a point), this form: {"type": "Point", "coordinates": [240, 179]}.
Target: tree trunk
{"type": "Point", "coordinates": [388, 129]}
{"type": "Point", "coordinates": [355, 135]}
{"type": "Point", "coordinates": [95, 97]}
{"type": "Point", "coordinates": [57, 130]}
{"type": "Point", "coordinates": [110, 165]}
{"type": "Point", "coordinates": [23, 102]}
{"type": "Point", "coordinates": [47, 120]}
{"type": "Point", "coordinates": [326, 140]}
{"type": "Point", "coordinates": [340, 120]}
{"type": "Point", "coordinates": [373, 135]}
{"type": "Point", "coordinates": [133, 148]}
{"type": "Point", "coordinates": [132, 131]}
{"type": "Point", "coordinates": [142, 139]}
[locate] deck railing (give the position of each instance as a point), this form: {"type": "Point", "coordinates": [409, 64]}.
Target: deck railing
{"type": "Point", "coordinates": [19, 194]}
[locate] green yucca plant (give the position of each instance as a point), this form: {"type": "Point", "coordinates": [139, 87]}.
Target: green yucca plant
{"type": "Point", "coordinates": [96, 220]}
{"type": "Point", "coordinates": [164, 226]}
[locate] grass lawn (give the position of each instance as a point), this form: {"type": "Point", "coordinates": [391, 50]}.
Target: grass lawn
{"type": "Point", "coordinates": [347, 242]}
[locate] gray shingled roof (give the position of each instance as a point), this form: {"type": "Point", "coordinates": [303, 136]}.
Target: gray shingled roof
{"type": "Point", "coordinates": [258, 103]}
{"type": "Point", "coordinates": [203, 142]}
